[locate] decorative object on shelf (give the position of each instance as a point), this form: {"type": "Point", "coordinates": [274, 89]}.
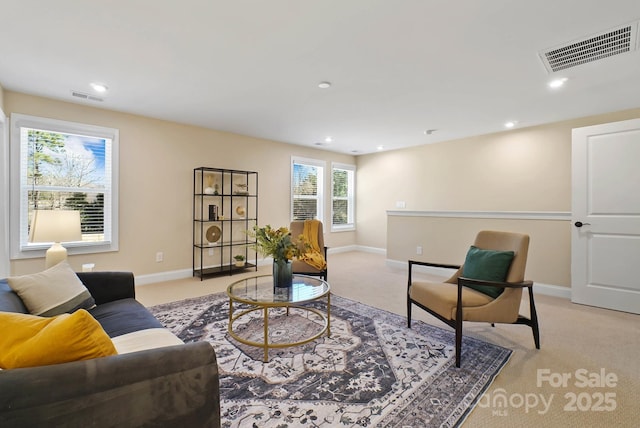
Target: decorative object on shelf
{"type": "Point", "coordinates": [239, 258]}
{"type": "Point", "coordinates": [240, 211]}
{"type": "Point", "coordinates": [213, 234]}
{"type": "Point", "coordinates": [216, 188]}
{"type": "Point", "coordinates": [277, 244]}
{"type": "Point", "coordinates": [209, 190]}
{"type": "Point", "coordinates": [242, 189]}
{"type": "Point", "coordinates": [213, 213]}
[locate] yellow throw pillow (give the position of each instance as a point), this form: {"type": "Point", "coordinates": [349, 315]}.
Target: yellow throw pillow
{"type": "Point", "coordinates": [29, 340]}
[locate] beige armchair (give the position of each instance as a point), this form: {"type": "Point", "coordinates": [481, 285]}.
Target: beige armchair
{"type": "Point", "coordinates": [459, 299]}
{"type": "Point", "coordinates": [300, 267]}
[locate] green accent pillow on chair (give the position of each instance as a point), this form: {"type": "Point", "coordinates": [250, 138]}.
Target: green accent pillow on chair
{"type": "Point", "coordinates": [487, 265]}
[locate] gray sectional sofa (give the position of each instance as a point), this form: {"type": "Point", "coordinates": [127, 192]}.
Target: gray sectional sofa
{"type": "Point", "coordinates": [174, 385]}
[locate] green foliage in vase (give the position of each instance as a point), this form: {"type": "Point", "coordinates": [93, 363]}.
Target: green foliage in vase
{"type": "Point", "coordinates": [275, 243]}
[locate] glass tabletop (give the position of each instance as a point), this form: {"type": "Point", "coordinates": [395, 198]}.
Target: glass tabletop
{"type": "Point", "coordinates": [260, 290]}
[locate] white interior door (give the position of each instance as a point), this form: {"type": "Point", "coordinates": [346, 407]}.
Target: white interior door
{"type": "Point", "coordinates": [605, 252]}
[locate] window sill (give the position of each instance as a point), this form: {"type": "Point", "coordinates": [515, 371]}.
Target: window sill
{"type": "Point", "coordinates": [343, 228]}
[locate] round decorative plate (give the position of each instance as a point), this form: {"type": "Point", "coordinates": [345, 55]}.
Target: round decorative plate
{"type": "Point", "coordinates": [213, 234]}
{"type": "Point", "coordinates": [240, 210]}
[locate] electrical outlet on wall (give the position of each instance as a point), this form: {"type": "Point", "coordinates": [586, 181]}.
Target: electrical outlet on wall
{"type": "Point", "coordinates": [419, 250]}
{"type": "Point", "coordinates": [159, 256]}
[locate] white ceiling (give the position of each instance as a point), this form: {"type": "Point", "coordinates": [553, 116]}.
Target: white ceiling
{"type": "Point", "coordinates": [397, 67]}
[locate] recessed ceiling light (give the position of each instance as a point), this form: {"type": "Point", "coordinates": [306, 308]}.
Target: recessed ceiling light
{"type": "Point", "coordinates": [557, 83]}
{"type": "Point", "coordinates": [429, 131]}
{"type": "Point", "coordinates": [328, 139]}
{"type": "Point", "coordinates": [324, 85]}
{"type": "Point", "coordinates": [380, 147]}
{"type": "Point", "coordinates": [510, 124]}
{"type": "Point", "coordinates": [99, 87]}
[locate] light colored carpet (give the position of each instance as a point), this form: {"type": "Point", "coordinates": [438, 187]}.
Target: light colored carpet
{"type": "Point", "coordinates": [578, 343]}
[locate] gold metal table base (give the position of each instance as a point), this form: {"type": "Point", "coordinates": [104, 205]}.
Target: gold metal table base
{"type": "Point", "coordinates": [265, 308]}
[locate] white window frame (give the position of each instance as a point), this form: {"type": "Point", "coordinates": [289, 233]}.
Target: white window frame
{"type": "Point", "coordinates": [4, 196]}
{"type": "Point", "coordinates": [351, 198]}
{"type": "Point", "coordinates": [321, 165]}
{"type": "Point", "coordinates": [20, 248]}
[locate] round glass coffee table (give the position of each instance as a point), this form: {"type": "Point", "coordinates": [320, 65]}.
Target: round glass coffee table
{"type": "Point", "coordinates": [257, 293]}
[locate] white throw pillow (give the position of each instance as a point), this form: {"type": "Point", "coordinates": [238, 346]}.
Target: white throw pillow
{"type": "Point", "coordinates": [52, 292]}
{"type": "Point", "coordinates": [141, 340]}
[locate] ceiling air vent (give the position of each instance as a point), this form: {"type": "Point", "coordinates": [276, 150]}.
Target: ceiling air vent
{"type": "Point", "coordinates": [84, 96]}
{"type": "Point", "coordinates": [602, 45]}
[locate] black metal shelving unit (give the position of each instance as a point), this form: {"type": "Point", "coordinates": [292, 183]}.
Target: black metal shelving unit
{"type": "Point", "coordinates": [225, 206]}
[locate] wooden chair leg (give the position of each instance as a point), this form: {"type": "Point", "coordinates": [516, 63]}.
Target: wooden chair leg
{"type": "Point", "coordinates": [458, 340]}
{"type": "Point", "coordinates": [534, 319]}
{"type": "Point", "coordinates": [459, 325]}
{"type": "Point", "coordinates": [408, 296]}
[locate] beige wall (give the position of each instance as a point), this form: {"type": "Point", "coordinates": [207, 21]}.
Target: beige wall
{"type": "Point", "coordinates": [521, 170]}
{"type": "Point", "coordinates": [446, 240]}
{"type": "Point", "coordinates": [156, 175]}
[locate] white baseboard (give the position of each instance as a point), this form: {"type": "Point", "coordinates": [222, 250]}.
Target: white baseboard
{"type": "Point", "coordinates": [177, 274]}
{"type": "Point", "coordinates": [152, 278]}
{"type": "Point", "coordinates": [540, 288]}
{"type": "Point", "coordinates": [425, 269]}
{"type": "Point", "coordinates": [546, 289]}
{"type": "Point", "coordinates": [187, 273]}
{"type": "Point", "coordinates": [364, 249]}
{"type": "Point", "coordinates": [552, 290]}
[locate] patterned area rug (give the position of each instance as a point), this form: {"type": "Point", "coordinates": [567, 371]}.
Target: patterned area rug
{"type": "Point", "coordinates": [372, 372]}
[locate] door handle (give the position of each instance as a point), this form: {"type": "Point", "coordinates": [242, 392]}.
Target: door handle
{"type": "Point", "coordinates": [580, 224]}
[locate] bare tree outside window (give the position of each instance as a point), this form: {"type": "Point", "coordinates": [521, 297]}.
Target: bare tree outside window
{"type": "Point", "coordinates": [41, 149]}
{"type": "Point", "coordinates": [64, 165]}
{"type": "Point", "coordinates": [64, 173]}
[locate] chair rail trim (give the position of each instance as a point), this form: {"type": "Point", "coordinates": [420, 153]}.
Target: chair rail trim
{"type": "Point", "coordinates": [511, 215]}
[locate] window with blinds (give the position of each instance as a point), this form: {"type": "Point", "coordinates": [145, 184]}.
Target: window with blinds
{"type": "Point", "coordinates": [342, 197]}
{"type": "Point", "coordinates": [67, 166]}
{"type": "Point", "coordinates": [306, 189]}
